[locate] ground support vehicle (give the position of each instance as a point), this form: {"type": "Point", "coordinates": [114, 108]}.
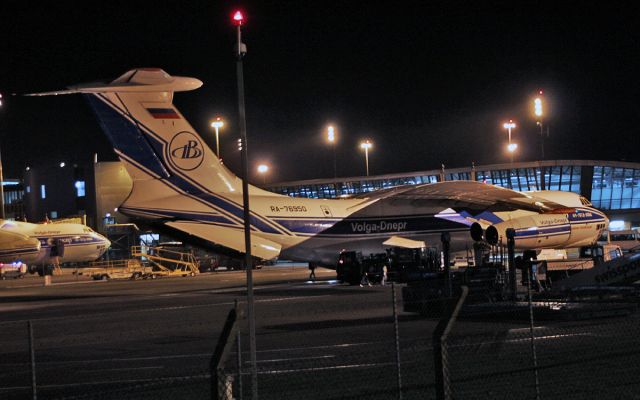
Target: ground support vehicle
{"type": "Point", "coordinates": [427, 294]}
{"type": "Point", "coordinates": [14, 270]}
{"type": "Point", "coordinates": [402, 264]}
{"type": "Point", "coordinates": [548, 271]}
{"type": "Point", "coordinates": [146, 263]}
{"type": "Point", "coordinates": [116, 269]}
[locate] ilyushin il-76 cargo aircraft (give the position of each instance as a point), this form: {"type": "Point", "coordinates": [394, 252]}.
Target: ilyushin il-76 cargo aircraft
{"type": "Point", "coordinates": [179, 182]}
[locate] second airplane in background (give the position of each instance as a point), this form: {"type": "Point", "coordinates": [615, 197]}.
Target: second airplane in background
{"type": "Point", "coordinates": [49, 243]}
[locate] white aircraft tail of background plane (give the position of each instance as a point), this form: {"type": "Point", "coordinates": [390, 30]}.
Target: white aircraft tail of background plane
{"type": "Point", "coordinates": [179, 181]}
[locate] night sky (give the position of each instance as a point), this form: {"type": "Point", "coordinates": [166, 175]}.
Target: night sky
{"type": "Point", "coordinates": [428, 82]}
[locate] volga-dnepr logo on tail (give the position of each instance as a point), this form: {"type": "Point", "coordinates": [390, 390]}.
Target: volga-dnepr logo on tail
{"type": "Point", "coordinates": [185, 151]}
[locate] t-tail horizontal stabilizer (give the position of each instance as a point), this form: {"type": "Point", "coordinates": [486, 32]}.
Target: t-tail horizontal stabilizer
{"type": "Point", "coordinates": [139, 80]}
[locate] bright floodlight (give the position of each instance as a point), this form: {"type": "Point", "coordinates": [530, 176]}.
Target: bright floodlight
{"type": "Point", "coordinates": [366, 145]}
{"type": "Point", "coordinates": [537, 104]}
{"type": "Point", "coordinates": [238, 18]}
{"type": "Point", "coordinates": [509, 125]}
{"type": "Point", "coordinates": [62, 164]}
{"type": "Point", "coordinates": [262, 168]}
{"type": "Point", "coordinates": [512, 147]}
{"type": "Point", "coordinates": [331, 134]}
{"type": "Point", "coordinates": [218, 123]}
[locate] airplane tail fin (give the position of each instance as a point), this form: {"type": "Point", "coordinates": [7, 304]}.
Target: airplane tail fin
{"type": "Point", "coordinates": [150, 136]}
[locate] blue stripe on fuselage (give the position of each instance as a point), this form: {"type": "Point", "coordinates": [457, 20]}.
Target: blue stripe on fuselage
{"type": "Point", "coordinates": [125, 136]}
{"type": "Point", "coordinates": [70, 240]}
{"type": "Point", "coordinates": [368, 226]}
{"type": "Point", "coordinates": [543, 231]}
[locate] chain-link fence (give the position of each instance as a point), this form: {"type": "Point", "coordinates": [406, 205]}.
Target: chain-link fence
{"type": "Point", "coordinates": [111, 355]}
{"type": "Point", "coordinates": [595, 358]}
{"type": "Point", "coordinates": [351, 347]}
{"type": "Point", "coordinates": [492, 351]}
{"type": "Point", "coordinates": [322, 341]}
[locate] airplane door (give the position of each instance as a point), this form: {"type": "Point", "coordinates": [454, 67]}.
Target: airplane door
{"type": "Point", "coordinates": [57, 248]}
{"type": "Point", "coordinates": [326, 211]}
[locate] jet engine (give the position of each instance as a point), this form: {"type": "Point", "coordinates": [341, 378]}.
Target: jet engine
{"type": "Point", "coordinates": [553, 230]}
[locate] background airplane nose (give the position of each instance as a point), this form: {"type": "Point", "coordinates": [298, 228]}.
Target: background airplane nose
{"type": "Point", "coordinates": [107, 244]}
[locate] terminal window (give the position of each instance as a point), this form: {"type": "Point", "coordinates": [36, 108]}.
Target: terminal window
{"type": "Point", "coordinates": [80, 192]}
{"type": "Point", "coordinates": [43, 192]}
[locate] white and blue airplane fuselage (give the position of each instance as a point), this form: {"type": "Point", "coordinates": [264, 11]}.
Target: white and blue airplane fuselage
{"type": "Point", "coordinates": [179, 182]}
{"type": "Point", "coordinates": [50, 243]}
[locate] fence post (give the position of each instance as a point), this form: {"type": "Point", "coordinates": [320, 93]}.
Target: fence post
{"type": "Point", "coordinates": [220, 355]}
{"type": "Point", "coordinates": [397, 339]}
{"type": "Point", "coordinates": [445, 237]}
{"type": "Point", "coordinates": [32, 357]}
{"type": "Point", "coordinates": [239, 362]}
{"type": "Point", "coordinates": [532, 334]}
{"type": "Point", "coordinates": [440, 334]}
{"type": "Point", "coordinates": [513, 280]}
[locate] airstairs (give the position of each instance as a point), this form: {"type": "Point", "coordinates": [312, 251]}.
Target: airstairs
{"type": "Point", "coordinates": [166, 262]}
{"type": "Point", "coordinates": [145, 262]}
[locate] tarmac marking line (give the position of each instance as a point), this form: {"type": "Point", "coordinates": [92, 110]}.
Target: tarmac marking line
{"type": "Point", "coordinates": [118, 369]}
{"type": "Point", "coordinates": [295, 359]}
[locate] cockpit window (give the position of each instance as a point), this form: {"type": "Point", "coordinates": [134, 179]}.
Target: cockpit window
{"type": "Point", "coordinates": [585, 202]}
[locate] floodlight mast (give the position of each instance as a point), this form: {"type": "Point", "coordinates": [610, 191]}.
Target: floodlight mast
{"type": "Point", "coordinates": [331, 138]}
{"type": "Point", "coordinates": [538, 111]}
{"type": "Point", "coordinates": [241, 50]}
{"type": "Point", "coordinates": [511, 147]}
{"type": "Point", "coordinates": [217, 124]}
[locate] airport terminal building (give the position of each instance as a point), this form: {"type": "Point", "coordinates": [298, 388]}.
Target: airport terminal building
{"type": "Point", "coordinates": [612, 186]}
{"type": "Point", "coordinates": [97, 189]}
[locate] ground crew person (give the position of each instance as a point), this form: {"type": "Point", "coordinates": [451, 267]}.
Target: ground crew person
{"type": "Point", "coordinates": [312, 274]}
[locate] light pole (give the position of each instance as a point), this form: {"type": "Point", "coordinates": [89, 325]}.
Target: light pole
{"type": "Point", "coordinates": [537, 109]}
{"type": "Point", "coordinates": [366, 145]}
{"type": "Point", "coordinates": [262, 170]}
{"type": "Point", "coordinates": [217, 124]}
{"type": "Point", "coordinates": [241, 50]}
{"type": "Point", "coordinates": [511, 147]}
{"type": "Point", "coordinates": [331, 138]}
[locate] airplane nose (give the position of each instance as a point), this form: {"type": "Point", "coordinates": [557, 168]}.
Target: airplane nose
{"type": "Point", "coordinates": [107, 244]}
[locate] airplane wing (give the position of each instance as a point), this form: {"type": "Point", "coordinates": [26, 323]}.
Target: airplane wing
{"type": "Point", "coordinates": [466, 195]}
{"type": "Point", "coordinates": [229, 237]}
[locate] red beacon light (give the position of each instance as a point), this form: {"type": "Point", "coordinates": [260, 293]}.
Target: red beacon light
{"type": "Point", "coordinates": [238, 18]}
